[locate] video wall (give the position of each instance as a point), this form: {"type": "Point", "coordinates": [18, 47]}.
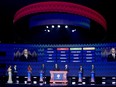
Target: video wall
{"type": "Point", "coordinates": [73, 55]}
{"type": "Point", "coordinates": [55, 55]}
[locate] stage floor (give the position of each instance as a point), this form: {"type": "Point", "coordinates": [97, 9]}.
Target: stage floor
{"type": "Point", "coordinates": [72, 81]}
{"type": "Point", "coordinates": [46, 85]}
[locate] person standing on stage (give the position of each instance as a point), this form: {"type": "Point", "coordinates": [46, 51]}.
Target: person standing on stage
{"type": "Point", "coordinates": [56, 68]}
{"type": "Point", "coordinates": [15, 73]}
{"type": "Point", "coordinates": [9, 74]}
{"type": "Point", "coordinates": [66, 68]}
{"type": "Point", "coordinates": [29, 73]}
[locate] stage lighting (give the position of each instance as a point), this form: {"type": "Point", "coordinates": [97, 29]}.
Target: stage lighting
{"type": "Point", "coordinates": [66, 26]}
{"type": "Point", "coordinates": [53, 26]}
{"type": "Point", "coordinates": [113, 77]}
{"type": "Point", "coordinates": [103, 82]}
{"type": "Point", "coordinates": [73, 83]}
{"type": "Point", "coordinates": [34, 82]}
{"type": "Point", "coordinates": [25, 82]}
{"type": "Point", "coordinates": [48, 30]}
{"type": "Point", "coordinates": [83, 83]}
{"type": "Point", "coordinates": [47, 27]}
{"type": "Point", "coordinates": [58, 26]}
{"type": "Point", "coordinates": [73, 30]}
{"type": "Point", "coordinates": [17, 82]}
{"type": "Point", "coordinates": [113, 83]}
{"type": "Point", "coordinates": [103, 77]}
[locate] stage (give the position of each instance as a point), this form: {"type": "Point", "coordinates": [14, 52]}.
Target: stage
{"type": "Point", "coordinates": [72, 81]}
{"type": "Point", "coordinates": [37, 85]}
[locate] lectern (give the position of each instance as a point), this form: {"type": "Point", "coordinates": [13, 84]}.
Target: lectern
{"type": "Point", "coordinates": [58, 77]}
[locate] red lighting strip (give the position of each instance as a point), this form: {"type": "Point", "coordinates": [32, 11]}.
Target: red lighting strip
{"type": "Point", "coordinates": [62, 48]}
{"type": "Point", "coordinates": [54, 6]}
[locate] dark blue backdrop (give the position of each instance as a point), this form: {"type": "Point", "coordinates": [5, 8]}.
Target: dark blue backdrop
{"type": "Point", "coordinates": [102, 67]}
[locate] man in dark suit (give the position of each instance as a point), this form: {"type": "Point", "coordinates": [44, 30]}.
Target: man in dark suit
{"type": "Point", "coordinates": [56, 68]}
{"type": "Point", "coordinates": [43, 69]}
{"type": "Point", "coordinates": [42, 73]}
{"type": "Point", "coordinates": [80, 75]}
{"type": "Point", "coordinates": [112, 56]}
{"type": "Point", "coordinates": [26, 57]}
{"type": "Point", "coordinates": [14, 73]}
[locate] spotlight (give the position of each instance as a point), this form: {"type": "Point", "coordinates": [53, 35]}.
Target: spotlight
{"type": "Point", "coordinates": [34, 82]}
{"type": "Point", "coordinates": [47, 27]}
{"type": "Point", "coordinates": [66, 26]}
{"type": "Point", "coordinates": [48, 30]}
{"type": "Point", "coordinates": [25, 82]}
{"type": "Point", "coordinates": [73, 30]}
{"type": "Point", "coordinates": [58, 26]}
{"type": "Point", "coordinates": [53, 26]}
{"type": "Point", "coordinates": [45, 30]}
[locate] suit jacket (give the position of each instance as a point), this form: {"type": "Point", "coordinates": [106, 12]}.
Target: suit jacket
{"type": "Point", "coordinates": [66, 69]}
{"type": "Point", "coordinates": [24, 59]}
{"type": "Point", "coordinates": [111, 58]}
{"type": "Point", "coordinates": [56, 69]}
{"type": "Point", "coordinates": [43, 70]}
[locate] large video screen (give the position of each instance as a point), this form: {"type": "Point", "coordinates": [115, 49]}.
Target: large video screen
{"type": "Point", "coordinates": [69, 54]}
{"type": "Point", "coordinates": [102, 56]}
{"type": "Point", "coordinates": [25, 55]}
{"type": "Point", "coordinates": [55, 54]}
{"type": "Point", "coordinates": [108, 54]}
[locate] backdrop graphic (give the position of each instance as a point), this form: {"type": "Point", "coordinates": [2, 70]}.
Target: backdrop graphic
{"type": "Point", "coordinates": [73, 55]}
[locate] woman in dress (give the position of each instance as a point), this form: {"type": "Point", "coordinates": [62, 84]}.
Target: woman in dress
{"type": "Point", "coordinates": [29, 73]}
{"type": "Point", "coordinates": [9, 74]}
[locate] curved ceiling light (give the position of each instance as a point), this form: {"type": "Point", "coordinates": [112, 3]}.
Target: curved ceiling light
{"type": "Point", "coordinates": [65, 7]}
{"type": "Point", "coordinates": [59, 18]}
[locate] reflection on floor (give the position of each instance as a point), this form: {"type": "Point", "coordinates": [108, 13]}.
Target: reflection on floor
{"type": "Point", "coordinates": [72, 81]}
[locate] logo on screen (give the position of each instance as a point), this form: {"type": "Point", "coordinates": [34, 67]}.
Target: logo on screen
{"type": "Point", "coordinates": [58, 76]}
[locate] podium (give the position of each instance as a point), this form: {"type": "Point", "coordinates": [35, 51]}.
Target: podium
{"type": "Point", "coordinates": [58, 77]}
{"type": "Point", "coordinates": [41, 76]}
{"type": "Point", "coordinates": [29, 77]}
{"type": "Point", "coordinates": [80, 77]}
{"type": "Point", "coordinates": [92, 78]}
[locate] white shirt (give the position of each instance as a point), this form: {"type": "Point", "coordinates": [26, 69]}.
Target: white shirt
{"type": "Point", "coordinates": [113, 55]}
{"type": "Point", "coordinates": [26, 56]}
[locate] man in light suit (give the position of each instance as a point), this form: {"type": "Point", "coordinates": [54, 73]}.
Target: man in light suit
{"type": "Point", "coordinates": [66, 68]}
{"type": "Point", "coordinates": [112, 56]}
